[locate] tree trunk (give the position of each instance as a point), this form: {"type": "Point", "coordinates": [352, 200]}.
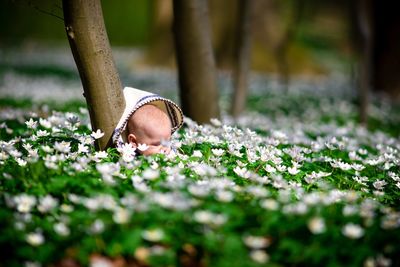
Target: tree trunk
{"type": "Point", "coordinates": [196, 65]}
{"type": "Point", "coordinates": [281, 50]}
{"type": "Point", "coordinates": [242, 57]}
{"type": "Point", "coordinates": [90, 47]}
{"type": "Point", "coordinates": [365, 26]}
{"type": "Point", "coordinates": [386, 52]}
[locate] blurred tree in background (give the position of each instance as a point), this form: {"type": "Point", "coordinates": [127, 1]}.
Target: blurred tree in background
{"type": "Point", "coordinates": [241, 68]}
{"type": "Point", "coordinates": [195, 59]}
{"type": "Point", "coordinates": [147, 24]}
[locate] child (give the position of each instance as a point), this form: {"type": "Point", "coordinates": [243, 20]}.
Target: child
{"type": "Point", "coordinates": [148, 120]}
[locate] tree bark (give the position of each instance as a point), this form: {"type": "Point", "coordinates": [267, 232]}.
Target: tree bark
{"type": "Point", "coordinates": [386, 52]}
{"type": "Point", "coordinates": [90, 47]}
{"type": "Point", "coordinates": [195, 60]}
{"type": "Point", "coordinates": [242, 56]}
{"type": "Point", "coordinates": [365, 25]}
{"type": "Point", "coordinates": [281, 49]}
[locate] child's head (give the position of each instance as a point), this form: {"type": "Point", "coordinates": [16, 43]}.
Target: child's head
{"type": "Point", "coordinates": [151, 126]}
{"type": "Point", "coordinates": [147, 118]}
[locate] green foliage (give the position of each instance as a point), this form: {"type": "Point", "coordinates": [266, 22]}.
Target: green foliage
{"type": "Point", "coordinates": [228, 196]}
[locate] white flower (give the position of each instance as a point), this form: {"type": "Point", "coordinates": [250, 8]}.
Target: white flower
{"type": "Point", "coordinates": [100, 155]}
{"type": "Point", "coordinates": [97, 134]}
{"type": "Point", "coordinates": [353, 156]}
{"type": "Point", "coordinates": [382, 261]}
{"type": "Point", "coordinates": [269, 168]}
{"type": "Point", "coordinates": [224, 196]}
{"type": "Point", "coordinates": [128, 157]}
{"type": "Point", "coordinates": [341, 165]}
{"type": "Point", "coordinates": [257, 191]}
{"type": "Point", "coordinates": [379, 184]}
{"type": "Point", "coordinates": [32, 264]}
{"type": "Point", "coordinates": [128, 152]}
{"type": "Point", "coordinates": [197, 153]}
{"type": "Point", "coordinates": [97, 226]}
{"type": "Point", "coordinates": [27, 146]}
{"type": "Point", "coordinates": [153, 235]}
{"type": "Point", "coordinates": [207, 217]}
{"type": "Point", "coordinates": [31, 124]}
{"type": "Point", "coordinates": [243, 172]}
{"type": "Point", "coordinates": [394, 176]}
{"type": "Point", "coordinates": [293, 170]}
{"type": "Point", "coordinates": [200, 169]}
{"type": "Point", "coordinates": [142, 254]}
{"type": "Point", "coordinates": [256, 242]}
{"type": "Point", "coordinates": [199, 190]}
{"type": "Point", "coordinates": [35, 239]}
{"type": "Point", "coordinates": [357, 167]}
{"type": "Point", "coordinates": [281, 168]}
{"type": "Point", "coordinates": [259, 256]}
{"type": "Point", "coordinates": [150, 174]}
{"type": "Point", "coordinates": [142, 147]}
{"type": "Point", "coordinates": [219, 219]}
{"type": "Point", "coordinates": [47, 203]}
{"type": "Point", "coordinates": [47, 149]}
{"type": "Point", "coordinates": [203, 216]}
{"type": "Point", "coordinates": [269, 204]}
{"type": "Point", "coordinates": [21, 162]}
{"type": "Point", "coordinates": [107, 171]}
{"type": "Point", "coordinates": [316, 225]}
{"type": "Point", "coordinates": [215, 122]}
{"type": "Point", "coordinates": [121, 215]}
{"type": "Point", "coordinates": [41, 133]}
{"type": "Point", "coordinates": [15, 153]}
{"type": "Point", "coordinates": [45, 123]}
{"type": "Point", "coordinates": [63, 146]}
{"type": "Point", "coordinates": [218, 152]}
{"type": "Point", "coordinates": [3, 155]}
{"type": "Point", "coordinates": [154, 165]}
{"type": "Point", "coordinates": [349, 210]}
{"type": "Point", "coordinates": [33, 155]}
{"type": "Point", "coordinates": [82, 148]}
{"type": "Point", "coordinates": [24, 202]}
{"type": "Point", "coordinates": [100, 261]}
{"type": "Point", "coordinates": [362, 151]}
{"type": "Point", "coordinates": [369, 262]}
{"type": "Point", "coordinates": [61, 229]}
{"type": "Point", "coordinates": [66, 208]}
{"type": "Point", "coordinates": [353, 231]}
{"type": "Point", "coordinates": [240, 163]}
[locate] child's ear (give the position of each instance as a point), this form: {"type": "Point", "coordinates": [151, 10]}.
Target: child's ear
{"type": "Point", "coordinates": [132, 140]}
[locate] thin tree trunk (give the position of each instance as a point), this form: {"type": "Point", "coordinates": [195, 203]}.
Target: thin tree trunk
{"type": "Point", "coordinates": [297, 7]}
{"type": "Point", "coordinates": [386, 52]}
{"type": "Point", "coordinates": [196, 65]}
{"type": "Point", "coordinates": [90, 47]}
{"type": "Point", "coordinates": [242, 56]}
{"type": "Point", "coordinates": [365, 65]}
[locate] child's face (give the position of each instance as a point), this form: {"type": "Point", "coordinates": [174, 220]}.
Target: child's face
{"type": "Point", "coordinates": [155, 141]}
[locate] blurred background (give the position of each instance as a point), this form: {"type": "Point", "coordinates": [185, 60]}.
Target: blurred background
{"type": "Point", "coordinates": [316, 34]}
{"type": "Point", "coordinates": [292, 40]}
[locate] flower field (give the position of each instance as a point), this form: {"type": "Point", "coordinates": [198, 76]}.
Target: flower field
{"type": "Point", "coordinates": [294, 182]}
